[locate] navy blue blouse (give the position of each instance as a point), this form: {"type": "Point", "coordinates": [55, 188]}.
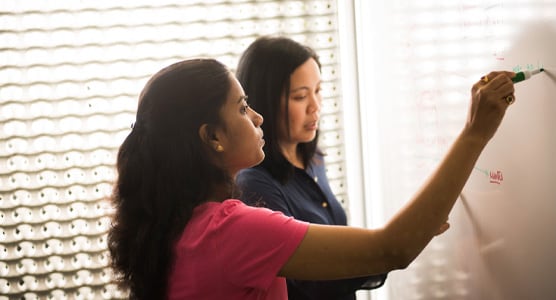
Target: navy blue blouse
{"type": "Point", "coordinates": [306, 196]}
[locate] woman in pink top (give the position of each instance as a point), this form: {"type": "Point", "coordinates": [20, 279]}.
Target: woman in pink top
{"type": "Point", "coordinates": [178, 232]}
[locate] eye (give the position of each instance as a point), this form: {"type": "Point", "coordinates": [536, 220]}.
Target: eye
{"type": "Point", "coordinates": [244, 108]}
{"type": "Point", "coordinates": [299, 97]}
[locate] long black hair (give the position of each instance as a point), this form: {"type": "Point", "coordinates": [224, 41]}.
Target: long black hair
{"type": "Point", "coordinates": [164, 172]}
{"type": "Point", "coordinates": [264, 71]}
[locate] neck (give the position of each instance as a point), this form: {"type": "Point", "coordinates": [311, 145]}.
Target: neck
{"type": "Point", "coordinates": [292, 155]}
{"type": "Point", "coordinates": [220, 193]}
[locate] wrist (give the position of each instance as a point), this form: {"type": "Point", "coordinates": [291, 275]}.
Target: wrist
{"type": "Point", "coordinates": [474, 141]}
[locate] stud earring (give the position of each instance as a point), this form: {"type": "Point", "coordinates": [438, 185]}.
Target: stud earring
{"type": "Point", "coordinates": [219, 148]}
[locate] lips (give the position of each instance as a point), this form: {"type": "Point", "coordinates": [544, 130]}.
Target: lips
{"type": "Point", "coordinates": [311, 125]}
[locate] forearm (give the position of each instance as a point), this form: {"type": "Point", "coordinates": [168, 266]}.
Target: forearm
{"type": "Point", "coordinates": [411, 229]}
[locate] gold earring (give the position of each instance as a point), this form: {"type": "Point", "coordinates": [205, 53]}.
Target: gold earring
{"type": "Point", "coordinates": [219, 148]}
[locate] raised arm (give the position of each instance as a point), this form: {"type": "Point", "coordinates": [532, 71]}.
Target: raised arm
{"type": "Point", "coordinates": [330, 252]}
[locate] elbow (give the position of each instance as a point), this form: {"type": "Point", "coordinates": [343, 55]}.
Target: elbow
{"type": "Point", "coordinates": [401, 250]}
{"type": "Point", "coordinates": [400, 264]}
{"type": "Point", "coordinates": [404, 262]}
{"type": "Point", "coordinates": [400, 260]}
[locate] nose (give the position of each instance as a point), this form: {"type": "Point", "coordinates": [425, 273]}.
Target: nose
{"type": "Point", "coordinates": [314, 105]}
{"type": "Point", "coordinates": [257, 118]}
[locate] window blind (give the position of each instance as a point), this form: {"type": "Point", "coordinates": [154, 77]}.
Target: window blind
{"type": "Point", "coordinates": [70, 75]}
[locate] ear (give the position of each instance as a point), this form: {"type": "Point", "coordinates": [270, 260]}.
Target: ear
{"type": "Point", "coordinates": [208, 135]}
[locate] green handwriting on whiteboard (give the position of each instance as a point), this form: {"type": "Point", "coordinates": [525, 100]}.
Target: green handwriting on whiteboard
{"type": "Point", "coordinates": [528, 67]}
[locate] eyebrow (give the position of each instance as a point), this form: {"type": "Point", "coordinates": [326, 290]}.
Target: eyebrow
{"type": "Point", "coordinates": [303, 87]}
{"type": "Point", "coordinates": [243, 97]}
{"type": "Point", "coordinates": [299, 89]}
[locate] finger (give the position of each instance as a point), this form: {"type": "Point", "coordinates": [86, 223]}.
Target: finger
{"type": "Point", "coordinates": [506, 91]}
{"type": "Point", "coordinates": [443, 228]}
{"type": "Point", "coordinates": [501, 92]}
{"type": "Point", "coordinates": [486, 79]}
{"type": "Point", "coordinates": [498, 82]}
{"type": "Point", "coordinates": [494, 74]}
{"type": "Point", "coordinates": [510, 99]}
{"type": "Point", "coordinates": [500, 87]}
{"type": "Point", "coordinates": [494, 78]}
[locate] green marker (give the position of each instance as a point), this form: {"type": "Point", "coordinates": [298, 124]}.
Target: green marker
{"type": "Point", "coordinates": [523, 75]}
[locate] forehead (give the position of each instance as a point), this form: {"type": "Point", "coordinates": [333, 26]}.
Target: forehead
{"type": "Point", "coordinates": [308, 71]}
{"type": "Point", "coordinates": [234, 97]}
{"type": "Point", "coordinates": [236, 90]}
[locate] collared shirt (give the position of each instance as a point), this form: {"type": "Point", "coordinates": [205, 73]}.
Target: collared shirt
{"type": "Point", "coordinates": [306, 196]}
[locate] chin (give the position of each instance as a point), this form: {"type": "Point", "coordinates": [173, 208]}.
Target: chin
{"type": "Point", "coordinates": [311, 137]}
{"type": "Point", "coordinates": [308, 140]}
{"type": "Point", "coordinates": [262, 158]}
{"type": "Point", "coordinates": [259, 160]}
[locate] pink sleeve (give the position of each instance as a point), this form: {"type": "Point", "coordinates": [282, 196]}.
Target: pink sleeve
{"type": "Point", "coordinates": [258, 242]}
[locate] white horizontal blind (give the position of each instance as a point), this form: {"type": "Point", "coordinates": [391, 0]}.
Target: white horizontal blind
{"type": "Point", "coordinates": [70, 74]}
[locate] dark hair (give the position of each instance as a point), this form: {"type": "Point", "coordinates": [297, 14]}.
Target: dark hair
{"type": "Point", "coordinates": [164, 172]}
{"type": "Point", "coordinates": [264, 71]}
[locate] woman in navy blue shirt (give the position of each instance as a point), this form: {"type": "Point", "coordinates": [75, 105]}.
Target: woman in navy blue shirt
{"type": "Point", "coordinates": [282, 80]}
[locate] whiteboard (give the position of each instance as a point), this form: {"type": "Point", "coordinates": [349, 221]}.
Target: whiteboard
{"type": "Point", "coordinates": [509, 203]}
{"type": "Point", "coordinates": [417, 62]}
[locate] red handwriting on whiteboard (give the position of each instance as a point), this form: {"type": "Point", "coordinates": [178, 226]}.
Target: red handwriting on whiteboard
{"type": "Point", "coordinates": [496, 177]}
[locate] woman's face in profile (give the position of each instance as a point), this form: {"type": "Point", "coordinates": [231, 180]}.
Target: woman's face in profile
{"type": "Point", "coordinates": [241, 136]}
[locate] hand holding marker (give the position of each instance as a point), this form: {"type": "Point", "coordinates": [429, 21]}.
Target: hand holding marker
{"type": "Point", "coordinates": [519, 76]}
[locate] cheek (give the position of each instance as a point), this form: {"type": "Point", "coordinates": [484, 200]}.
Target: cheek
{"type": "Point", "coordinates": [248, 148]}
{"type": "Point", "coordinates": [246, 136]}
{"type": "Point", "coordinates": [296, 115]}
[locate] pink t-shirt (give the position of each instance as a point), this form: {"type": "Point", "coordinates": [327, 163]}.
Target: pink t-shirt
{"type": "Point", "coordinates": [233, 251]}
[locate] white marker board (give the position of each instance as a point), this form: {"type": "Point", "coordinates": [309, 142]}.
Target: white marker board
{"type": "Point", "coordinates": [419, 65]}
{"type": "Point", "coordinates": [511, 208]}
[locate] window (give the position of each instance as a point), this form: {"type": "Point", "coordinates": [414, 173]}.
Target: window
{"type": "Point", "coordinates": [70, 74]}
